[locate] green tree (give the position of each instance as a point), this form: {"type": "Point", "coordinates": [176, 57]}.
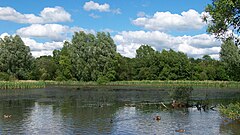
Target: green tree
{"type": "Point", "coordinates": [146, 63]}
{"type": "Point", "coordinates": [15, 57]}
{"type": "Point", "coordinates": [230, 55]}
{"type": "Point", "coordinates": [45, 68]}
{"type": "Point", "coordinates": [88, 57]}
{"type": "Point", "coordinates": [225, 16]}
{"type": "Point", "coordinates": [63, 62]}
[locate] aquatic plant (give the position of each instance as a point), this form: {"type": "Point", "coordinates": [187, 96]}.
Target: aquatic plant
{"type": "Point", "coordinates": [231, 111]}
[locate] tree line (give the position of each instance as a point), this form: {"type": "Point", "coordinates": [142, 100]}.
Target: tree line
{"type": "Point", "coordinates": [89, 57]}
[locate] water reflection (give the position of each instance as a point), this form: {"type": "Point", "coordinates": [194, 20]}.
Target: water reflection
{"type": "Point", "coordinates": [112, 111]}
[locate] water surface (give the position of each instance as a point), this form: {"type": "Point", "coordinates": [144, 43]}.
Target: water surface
{"type": "Point", "coordinates": [111, 111]}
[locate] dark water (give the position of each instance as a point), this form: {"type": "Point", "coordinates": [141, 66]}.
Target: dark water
{"type": "Point", "coordinates": [90, 111]}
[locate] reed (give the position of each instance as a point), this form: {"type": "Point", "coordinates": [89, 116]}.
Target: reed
{"type": "Point", "coordinates": [21, 84]}
{"type": "Point", "coordinates": [71, 83]}
{"type": "Point", "coordinates": [168, 83]}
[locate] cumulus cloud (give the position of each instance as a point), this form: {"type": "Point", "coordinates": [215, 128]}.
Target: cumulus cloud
{"type": "Point", "coordinates": [54, 32]}
{"type": "Point", "coordinates": [194, 46]}
{"type": "Point", "coordinates": [47, 15]}
{"type": "Point", "coordinates": [40, 49]}
{"type": "Point", "coordinates": [166, 21]}
{"type": "Point", "coordinates": [88, 6]}
{"type": "Point", "coordinates": [4, 35]}
{"type": "Point", "coordinates": [91, 5]}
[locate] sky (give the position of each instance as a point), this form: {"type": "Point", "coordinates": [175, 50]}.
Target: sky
{"type": "Point", "coordinates": [163, 24]}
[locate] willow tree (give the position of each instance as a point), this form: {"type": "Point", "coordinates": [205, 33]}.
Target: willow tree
{"type": "Point", "coordinates": [89, 57]}
{"type": "Point", "coordinates": [15, 57]}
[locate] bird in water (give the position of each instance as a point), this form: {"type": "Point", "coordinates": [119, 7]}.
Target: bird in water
{"type": "Point", "coordinates": [180, 130]}
{"type": "Point", "coordinates": [157, 118]}
{"type": "Point", "coordinates": [7, 116]}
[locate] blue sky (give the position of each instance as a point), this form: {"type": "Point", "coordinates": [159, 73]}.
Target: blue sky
{"type": "Point", "coordinates": [44, 25]}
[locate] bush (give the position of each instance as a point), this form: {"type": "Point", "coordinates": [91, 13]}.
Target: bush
{"type": "Point", "coordinates": [102, 80]}
{"type": "Point", "coordinates": [231, 111]}
{"type": "Point", "coordinates": [4, 76]}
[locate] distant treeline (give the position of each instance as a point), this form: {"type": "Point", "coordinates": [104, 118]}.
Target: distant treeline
{"type": "Point", "coordinates": [91, 57]}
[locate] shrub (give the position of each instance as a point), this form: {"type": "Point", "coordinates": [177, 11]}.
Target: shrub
{"type": "Point", "coordinates": [4, 76]}
{"type": "Point", "coordinates": [102, 80]}
{"type": "Point", "coordinates": [231, 111]}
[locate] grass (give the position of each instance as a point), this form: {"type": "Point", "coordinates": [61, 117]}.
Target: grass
{"type": "Point", "coordinates": [198, 84]}
{"type": "Point", "coordinates": [21, 84]}
{"type": "Point", "coordinates": [144, 83]}
{"type": "Point", "coordinates": [231, 111]}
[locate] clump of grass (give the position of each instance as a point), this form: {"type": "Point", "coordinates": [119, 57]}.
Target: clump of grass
{"type": "Point", "coordinates": [21, 84]}
{"type": "Point", "coordinates": [231, 111]}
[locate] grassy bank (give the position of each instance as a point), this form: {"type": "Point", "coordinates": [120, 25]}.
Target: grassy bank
{"type": "Point", "coordinates": [155, 83]}
{"type": "Point", "coordinates": [21, 84]}
{"type": "Point", "coordinates": [145, 83]}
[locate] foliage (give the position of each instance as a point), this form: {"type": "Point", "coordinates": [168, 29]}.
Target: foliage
{"type": "Point", "coordinates": [181, 93]}
{"type": "Point", "coordinates": [45, 68]}
{"type": "Point", "coordinates": [4, 76]}
{"type": "Point", "coordinates": [230, 55]}
{"type": "Point", "coordinates": [15, 57]}
{"type": "Point", "coordinates": [89, 57]}
{"type": "Point", "coordinates": [231, 111]}
{"type": "Point", "coordinates": [225, 16]}
{"type": "Point", "coordinates": [102, 80]}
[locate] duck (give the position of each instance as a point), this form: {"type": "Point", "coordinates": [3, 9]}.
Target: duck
{"type": "Point", "coordinates": [7, 116]}
{"type": "Point", "coordinates": [180, 130]}
{"type": "Point", "coordinates": [157, 118]}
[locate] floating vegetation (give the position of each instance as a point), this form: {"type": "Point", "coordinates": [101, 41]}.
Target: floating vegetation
{"type": "Point", "coordinates": [21, 84]}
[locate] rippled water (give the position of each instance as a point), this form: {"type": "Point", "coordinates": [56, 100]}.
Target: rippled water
{"type": "Point", "coordinates": [110, 111]}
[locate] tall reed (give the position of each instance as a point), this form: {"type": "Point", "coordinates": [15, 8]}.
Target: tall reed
{"type": "Point", "coordinates": [21, 84]}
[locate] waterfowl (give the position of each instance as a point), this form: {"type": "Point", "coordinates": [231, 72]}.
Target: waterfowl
{"type": "Point", "coordinates": [157, 118]}
{"type": "Point", "coordinates": [180, 130]}
{"type": "Point", "coordinates": [7, 116]}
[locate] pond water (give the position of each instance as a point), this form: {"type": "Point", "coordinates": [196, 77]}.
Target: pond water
{"type": "Point", "coordinates": [114, 111]}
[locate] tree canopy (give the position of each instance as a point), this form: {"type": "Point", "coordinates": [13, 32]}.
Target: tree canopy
{"type": "Point", "coordinates": [89, 57]}
{"type": "Point", "coordinates": [225, 16]}
{"type": "Point", "coordinates": [15, 58]}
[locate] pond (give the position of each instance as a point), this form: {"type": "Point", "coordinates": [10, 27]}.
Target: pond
{"type": "Point", "coordinates": [129, 111]}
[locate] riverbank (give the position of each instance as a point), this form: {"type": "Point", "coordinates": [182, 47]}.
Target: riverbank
{"type": "Point", "coordinates": [153, 83]}
{"type": "Point", "coordinates": [145, 83]}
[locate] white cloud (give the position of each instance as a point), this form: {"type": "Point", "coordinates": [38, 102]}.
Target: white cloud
{"type": "Point", "coordinates": [194, 46]}
{"type": "Point", "coordinates": [166, 21]}
{"type": "Point", "coordinates": [116, 11]}
{"type": "Point", "coordinates": [55, 32]}
{"type": "Point", "coordinates": [40, 49]}
{"type": "Point", "coordinates": [94, 16]}
{"type": "Point", "coordinates": [91, 5]}
{"type": "Point", "coordinates": [88, 6]}
{"type": "Point", "coordinates": [47, 15]}
{"type": "Point", "coordinates": [4, 35]}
